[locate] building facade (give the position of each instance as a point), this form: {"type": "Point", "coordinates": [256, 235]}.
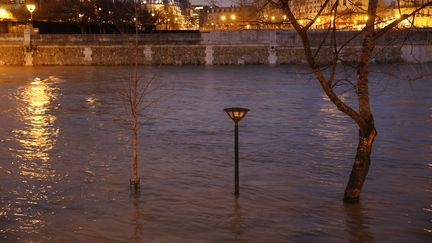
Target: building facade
{"type": "Point", "coordinates": [422, 19]}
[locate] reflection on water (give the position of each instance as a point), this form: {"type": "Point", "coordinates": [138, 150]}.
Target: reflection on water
{"type": "Point", "coordinates": [428, 189]}
{"type": "Point", "coordinates": [356, 224]}
{"type": "Point", "coordinates": [137, 218]}
{"type": "Point", "coordinates": [333, 132]}
{"type": "Point", "coordinates": [36, 136]}
{"type": "Point", "coordinates": [236, 220]}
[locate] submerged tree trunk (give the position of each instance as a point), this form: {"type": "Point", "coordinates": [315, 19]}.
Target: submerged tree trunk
{"type": "Point", "coordinates": [135, 104]}
{"type": "Point", "coordinates": [367, 132]}
{"type": "Point", "coordinates": [135, 156]}
{"type": "Point", "coordinates": [361, 164]}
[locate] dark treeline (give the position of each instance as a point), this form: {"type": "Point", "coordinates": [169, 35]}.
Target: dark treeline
{"type": "Point", "coordinates": [99, 16]}
{"type": "Point", "coordinates": [89, 28]}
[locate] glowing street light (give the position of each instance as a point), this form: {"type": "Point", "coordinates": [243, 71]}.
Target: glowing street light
{"type": "Point", "coordinates": [236, 114]}
{"type": "Point", "coordinates": [31, 8]}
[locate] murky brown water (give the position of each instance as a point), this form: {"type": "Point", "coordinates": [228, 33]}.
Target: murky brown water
{"type": "Point", "coordinates": [65, 162]}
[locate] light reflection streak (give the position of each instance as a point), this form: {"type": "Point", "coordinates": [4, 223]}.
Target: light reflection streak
{"type": "Point", "coordinates": [429, 190]}
{"type": "Point", "coordinates": [39, 134]}
{"type": "Point", "coordinates": [333, 132]}
{"type": "Point", "coordinates": [92, 102]}
{"type": "Point", "coordinates": [429, 211]}
{"type": "Point", "coordinates": [36, 136]}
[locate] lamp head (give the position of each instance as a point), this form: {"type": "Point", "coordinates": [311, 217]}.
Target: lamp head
{"type": "Point", "coordinates": [31, 7]}
{"type": "Point", "coordinates": [236, 113]}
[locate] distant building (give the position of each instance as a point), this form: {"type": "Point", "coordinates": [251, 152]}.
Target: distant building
{"type": "Point", "coordinates": [167, 14]}
{"type": "Point", "coordinates": [13, 16]}
{"type": "Point", "coordinates": [184, 6]}
{"type": "Point", "coordinates": [350, 14]}
{"type": "Point", "coordinates": [422, 19]}
{"type": "Point", "coordinates": [238, 17]}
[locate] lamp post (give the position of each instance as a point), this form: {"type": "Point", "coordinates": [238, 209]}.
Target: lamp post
{"type": "Point", "coordinates": [31, 8]}
{"type": "Point", "coordinates": [236, 114]}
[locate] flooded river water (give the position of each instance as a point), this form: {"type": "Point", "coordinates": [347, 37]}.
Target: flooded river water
{"type": "Point", "coordinates": [65, 162]}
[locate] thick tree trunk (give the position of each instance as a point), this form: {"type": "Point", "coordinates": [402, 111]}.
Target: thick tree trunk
{"type": "Point", "coordinates": [363, 117]}
{"type": "Point", "coordinates": [361, 165]}
{"type": "Point", "coordinates": [367, 132]}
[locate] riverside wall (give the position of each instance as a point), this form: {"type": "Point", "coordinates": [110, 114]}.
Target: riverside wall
{"type": "Point", "coordinates": [205, 48]}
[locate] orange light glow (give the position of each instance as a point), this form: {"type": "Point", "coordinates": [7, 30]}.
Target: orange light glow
{"type": "Point", "coordinates": [4, 14]}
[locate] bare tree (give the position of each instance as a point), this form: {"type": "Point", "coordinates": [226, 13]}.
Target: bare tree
{"type": "Point", "coordinates": [134, 95]}
{"type": "Point", "coordinates": [327, 75]}
{"type": "Point", "coordinates": [139, 94]}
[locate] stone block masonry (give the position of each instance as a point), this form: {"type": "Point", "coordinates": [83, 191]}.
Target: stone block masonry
{"type": "Point", "coordinates": [240, 54]}
{"type": "Point", "coordinates": [12, 55]}
{"type": "Point", "coordinates": [204, 48]}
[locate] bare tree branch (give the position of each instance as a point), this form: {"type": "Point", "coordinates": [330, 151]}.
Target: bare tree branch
{"type": "Point", "coordinates": [302, 31]}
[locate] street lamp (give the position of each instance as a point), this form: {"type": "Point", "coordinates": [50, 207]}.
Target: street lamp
{"type": "Point", "coordinates": [236, 114]}
{"type": "Point", "coordinates": [31, 8]}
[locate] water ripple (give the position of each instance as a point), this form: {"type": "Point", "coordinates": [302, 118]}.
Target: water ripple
{"type": "Point", "coordinates": [65, 163]}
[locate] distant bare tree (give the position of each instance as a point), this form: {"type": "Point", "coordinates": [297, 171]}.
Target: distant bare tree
{"type": "Point", "coordinates": [138, 95]}
{"type": "Point", "coordinates": [134, 94]}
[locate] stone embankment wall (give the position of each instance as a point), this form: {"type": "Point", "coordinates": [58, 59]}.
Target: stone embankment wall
{"type": "Point", "coordinates": [204, 48]}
